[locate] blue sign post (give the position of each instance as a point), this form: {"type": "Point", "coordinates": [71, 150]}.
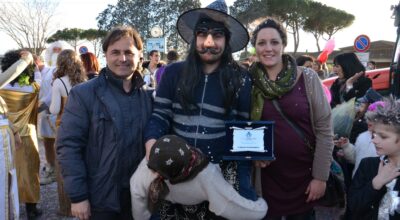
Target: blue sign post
{"type": "Point", "coordinates": [362, 43]}
{"type": "Point", "coordinates": [156, 44]}
{"type": "Point", "coordinates": [83, 50]}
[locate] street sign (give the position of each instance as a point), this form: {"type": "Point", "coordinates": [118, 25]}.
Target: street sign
{"type": "Point", "coordinates": [156, 44]}
{"type": "Point", "coordinates": [83, 50]}
{"type": "Point", "coordinates": [363, 57]}
{"type": "Point", "coordinates": [362, 43]}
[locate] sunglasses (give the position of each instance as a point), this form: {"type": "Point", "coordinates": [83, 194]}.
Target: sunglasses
{"type": "Point", "coordinates": [215, 32]}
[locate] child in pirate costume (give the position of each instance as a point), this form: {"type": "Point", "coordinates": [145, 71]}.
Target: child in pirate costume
{"type": "Point", "coordinates": [374, 192]}
{"type": "Point", "coordinates": [181, 174]}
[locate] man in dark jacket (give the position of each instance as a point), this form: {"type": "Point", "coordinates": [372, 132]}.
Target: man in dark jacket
{"type": "Point", "coordinates": [99, 143]}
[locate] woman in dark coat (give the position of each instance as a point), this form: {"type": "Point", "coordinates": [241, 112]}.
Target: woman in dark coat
{"type": "Point", "coordinates": [351, 81]}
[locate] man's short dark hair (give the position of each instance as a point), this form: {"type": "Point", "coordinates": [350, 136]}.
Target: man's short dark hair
{"type": "Point", "coordinates": [152, 52]}
{"type": "Point", "coordinates": [119, 32]}
{"type": "Point", "coordinates": [301, 60]}
{"type": "Point", "coordinates": [172, 55]}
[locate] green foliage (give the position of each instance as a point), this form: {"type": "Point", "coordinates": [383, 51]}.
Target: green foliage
{"type": "Point", "coordinates": [75, 35]}
{"type": "Point", "coordinates": [95, 37]}
{"type": "Point", "coordinates": [307, 15]}
{"type": "Point", "coordinates": [145, 14]}
{"type": "Point", "coordinates": [71, 35]}
{"type": "Point", "coordinates": [66, 34]}
{"type": "Point", "coordinates": [246, 11]}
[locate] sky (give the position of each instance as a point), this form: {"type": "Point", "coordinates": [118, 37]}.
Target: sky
{"type": "Point", "coordinates": [372, 18]}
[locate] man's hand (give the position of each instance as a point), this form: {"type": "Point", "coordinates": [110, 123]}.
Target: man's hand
{"type": "Point", "coordinates": [148, 146]}
{"type": "Point", "coordinates": [81, 210]}
{"type": "Point", "coordinates": [386, 173]}
{"type": "Point", "coordinates": [315, 190]}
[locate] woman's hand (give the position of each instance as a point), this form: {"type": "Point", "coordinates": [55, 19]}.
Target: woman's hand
{"type": "Point", "coordinates": [261, 163]}
{"type": "Point", "coordinates": [350, 81]}
{"type": "Point", "coordinates": [315, 190]}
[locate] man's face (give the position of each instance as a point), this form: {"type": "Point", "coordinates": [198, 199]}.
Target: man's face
{"type": "Point", "coordinates": [155, 58]}
{"type": "Point", "coordinates": [57, 50]}
{"type": "Point", "coordinates": [308, 64]}
{"type": "Point", "coordinates": [210, 44]}
{"type": "Point", "coordinates": [122, 57]}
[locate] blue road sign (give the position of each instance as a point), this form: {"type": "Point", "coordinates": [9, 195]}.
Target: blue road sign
{"type": "Point", "coordinates": [362, 43]}
{"type": "Point", "coordinates": [83, 50]}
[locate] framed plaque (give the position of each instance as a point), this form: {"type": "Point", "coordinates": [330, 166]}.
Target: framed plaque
{"type": "Point", "coordinates": [249, 140]}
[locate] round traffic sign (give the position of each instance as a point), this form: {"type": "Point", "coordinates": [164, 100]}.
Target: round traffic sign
{"type": "Point", "coordinates": [83, 50]}
{"type": "Point", "coordinates": [362, 43]}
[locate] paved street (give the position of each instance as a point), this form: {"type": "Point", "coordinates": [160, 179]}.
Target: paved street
{"type": "Point", "coordinates": [48, 197]}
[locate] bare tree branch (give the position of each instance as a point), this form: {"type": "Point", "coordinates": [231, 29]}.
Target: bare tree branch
{"type": "Point", "coordinates": [27, 22]}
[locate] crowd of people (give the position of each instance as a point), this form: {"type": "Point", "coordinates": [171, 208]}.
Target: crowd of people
{"type": "Point", "coordinates": [146, 139]}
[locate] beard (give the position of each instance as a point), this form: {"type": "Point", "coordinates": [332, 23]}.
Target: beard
{"type": "Point", "coordinates": [53, 60]}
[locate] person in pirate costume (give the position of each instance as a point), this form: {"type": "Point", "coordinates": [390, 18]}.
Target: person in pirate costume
{"type": "Point", "coordinates": [198, 95]}
{"type": "Point", "coordinates": [184, 177]}
{"type": "Point", "coordinates": [21, 97]}
{"type": "Point", "coordinates": [9, 201]}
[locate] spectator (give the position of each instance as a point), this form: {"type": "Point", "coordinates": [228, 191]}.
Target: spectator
{"type": "Point", "coordinates": [21, 97]}
{"type": "Point", "coordinates": [172, 57]}
{"type": "Point", "coordinates": [351, 81]}
{"type": "Point", "coordinates": [91, 65]}
{"type": "Point", "coordinates": [305, 60]}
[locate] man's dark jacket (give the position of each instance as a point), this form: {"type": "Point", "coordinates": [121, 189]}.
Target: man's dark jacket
{"type": "Point", "coordinates": [90, 139]}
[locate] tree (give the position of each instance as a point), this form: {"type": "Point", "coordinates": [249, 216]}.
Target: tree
{"type": "Point", "coordinates": [28, 22]}
{"type": "Point", "coordinates": [322, 20]}
{"type": "Point", "coordinates": [316, 21]}
{"type": "Point", "coordinates": [126, 12]}
{"type": "Point", "coordinates": [246, 11]}
{"type": "Point", "coordinates": [293, 13]}
{"type": "Point", "coordinates": [71, 35]}
{"type": "Point", "coordinates": [334, 24]}
{"type": "Point", "coordinates": [145, 14]}
{"type": "Point", "coordinates": [95, 37]}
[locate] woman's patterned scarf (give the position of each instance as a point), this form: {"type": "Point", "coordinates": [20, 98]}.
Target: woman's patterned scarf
{"type": "Point", "coordinates": [265, 88]}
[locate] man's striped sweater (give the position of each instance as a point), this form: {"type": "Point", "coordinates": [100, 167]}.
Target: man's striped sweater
{"type": "Point", "coordinates": [203, 127]}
